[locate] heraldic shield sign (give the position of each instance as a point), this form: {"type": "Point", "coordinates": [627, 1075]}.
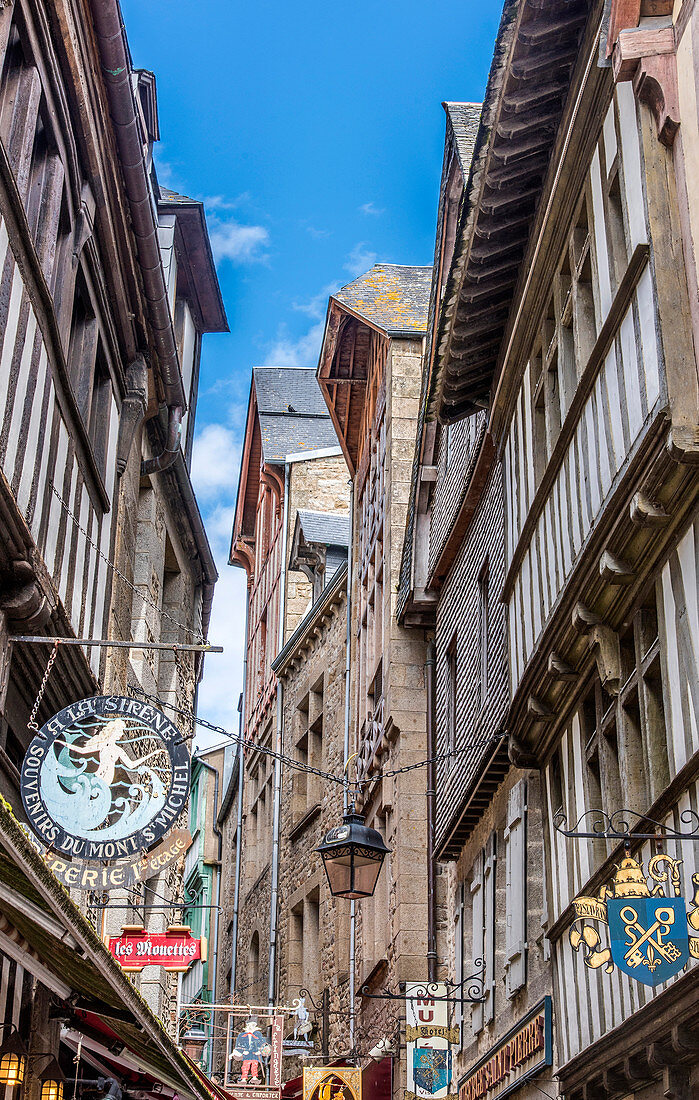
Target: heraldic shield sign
{"type": "Point", "coordinates": [105, 778]}
{"type": "Point", "coordinates": [649, 927]}
{"type": "Point", "coordinates": [431, 1069]}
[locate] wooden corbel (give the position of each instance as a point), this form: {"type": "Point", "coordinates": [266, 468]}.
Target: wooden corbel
{"type": "Point", "coordinates": [646, 55]}
{"type": "Point", "coordinates": [615, 571]}
{"type": "Point", "coordinates": [520, 756]}
{"type": "Point", "coordinates": [558, 669]}
{"type": "Point", "coordinates": [538, 710]}
{"type": "Point", "coordinates": [647, 513]}
{"type": "Point", "coordinates": [133, 410]}
{"type": "Point", "coordinates": [22, 599]}
{"type": "Point", "coordinates": [604, 643]}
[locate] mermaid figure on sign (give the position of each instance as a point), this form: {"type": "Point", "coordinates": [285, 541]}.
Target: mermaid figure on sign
{"type": "Point", "coordinates": [75, 795]}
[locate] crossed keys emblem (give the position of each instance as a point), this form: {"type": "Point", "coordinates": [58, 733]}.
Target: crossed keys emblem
{"type": "Point", "coordinates": [649, 938]}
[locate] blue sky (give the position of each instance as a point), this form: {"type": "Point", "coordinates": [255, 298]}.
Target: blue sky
{"type": "Point", "coordinates": [314, 134]}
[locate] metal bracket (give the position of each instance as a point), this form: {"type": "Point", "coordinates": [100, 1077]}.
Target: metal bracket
{"type": "Point", "coordinates": [474, 994]}
{"type": "Point", "coordinates": [625, 825]}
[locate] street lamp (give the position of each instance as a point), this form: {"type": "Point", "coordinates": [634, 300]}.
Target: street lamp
{"type": "Point", "coordinates": [352, 855]}
{"type": "Point", "coordinates": [13, 1059]}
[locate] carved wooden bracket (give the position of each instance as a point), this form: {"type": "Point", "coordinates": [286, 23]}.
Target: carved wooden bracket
{"type": "Point", "coordinates": [647, 513]}
{"type": "Point", "coordinates": [614, 570]}
{"type": "Point", "coordinates": [520, 756]}
{"type": "Point", "coordinates": [647, 57]}
{"type": "Point", "coordinates": [604, 642]}
{"type": "Point", "coordinates": [133, 410]}
{"type": "Point", "coordinates": [558, 669]}
{"type": "Point", "coordinates": [21, 597]}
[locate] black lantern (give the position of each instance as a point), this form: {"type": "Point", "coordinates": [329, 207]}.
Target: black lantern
{"type": "Point", "coordinates": [13, 1060]}
{"type": "Point", "coordinates": [52, 1080]}
{"type": "Point", "coordinates": [352, 855]}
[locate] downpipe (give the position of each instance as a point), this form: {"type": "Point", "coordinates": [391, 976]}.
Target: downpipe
{"type": "Point", "coordinates": [239, 818]}
{"type": "Point", "coordinates": [346, 759]}
{"type": "Point", "coordinates": [169, 452]}
{"type": "Point", "coordinates": [276, 821]}
{"type": "Point", "coordinates": [430, 663]}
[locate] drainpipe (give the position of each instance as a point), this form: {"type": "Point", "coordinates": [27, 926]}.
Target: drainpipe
{"type": "Point", "coordinates": [276, 822]}
{"type": "Point", "coordinates": [239, 822]}
{"type": "Point", "coordinates": [116, 74]}
{"type": "Point", "coordinates": [431, 798]}
{"type": "Point", "coordinates": [346, 757]}
{"type": "Point", "coordinates": [169, 452]}
{"type": "Point", "coordinates": [214, 934]}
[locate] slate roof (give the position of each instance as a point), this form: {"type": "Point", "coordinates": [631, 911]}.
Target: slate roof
{"type": "Point", "coordinates": [393, 297]}
{"type": "Point", "coordinates": [173, 196]}
{"type": "Point", "coordinates": [327, 528]}
{"type": "Point", "coordinates": [293, 415]}
{"type": "Point", "coordinates": [464, 119]}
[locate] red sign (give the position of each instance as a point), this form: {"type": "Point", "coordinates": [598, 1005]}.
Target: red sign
{"type": "Point", "coordinates": [175, 949]}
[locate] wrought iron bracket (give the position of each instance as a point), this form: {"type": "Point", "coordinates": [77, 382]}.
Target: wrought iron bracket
{"type": "Point", "coordinates": [626, 825]}
{"type": "Point", "coordinates": [472, 991]}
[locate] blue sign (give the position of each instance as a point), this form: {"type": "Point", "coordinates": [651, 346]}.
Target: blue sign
{"type": "Point", "coordinates": [431, 1069]}
{"type": "Point", "coordinates": [648, 937]}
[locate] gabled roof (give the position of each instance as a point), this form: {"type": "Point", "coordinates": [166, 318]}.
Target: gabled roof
{"type": "Point", "coordinates": [463, 119]}
{"type": "Point", "coordinates": [286, 415]}
{"type": "Point", "coordinates": [197, 270]}
{"type": "Point", "coordinates": [328, 528]}
{"type": "Point", "coordinates": [293, 416]}
{"type": "Point", "coordinates": [392, 297]}
{"type": "Point", "coordinates": [536, 50]}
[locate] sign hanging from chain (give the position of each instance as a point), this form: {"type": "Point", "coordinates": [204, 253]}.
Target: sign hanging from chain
{"type": "Point", "coordinates": [175, 950]}
{"type": "Point", "coordinates": [428, 1035]}
{"type": "Point", "coordinates": [105, 778]}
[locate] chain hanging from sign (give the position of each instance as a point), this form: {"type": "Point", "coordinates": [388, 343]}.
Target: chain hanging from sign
{"type": "Point", "coordinates": [648, 925]}
{"type": "Point", "coordinates": [624, 825]}
{"type": "Point", "coordinates": [104, 779]}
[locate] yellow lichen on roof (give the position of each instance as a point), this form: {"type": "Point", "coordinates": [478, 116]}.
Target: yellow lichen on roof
{"type": "Point", "coordinates": [393, 297]}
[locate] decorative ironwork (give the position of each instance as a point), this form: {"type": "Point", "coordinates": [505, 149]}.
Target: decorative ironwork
{"type": "Point", "coordinates": [625, 825]}
{"type": "Point", "coordinates": [472, 990]}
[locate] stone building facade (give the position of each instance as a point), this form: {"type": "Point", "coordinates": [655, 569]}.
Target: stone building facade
{"type": "Point", "coordinates": [314, 926]}
{"type": "Point", "coordinates": [369, 371]}
{"type": "Point", "coordinates": [568, 315]}
{"type": "Point", "coordinates": [107, 285]}
{"type": "Point", "coordinates": [291, 463]}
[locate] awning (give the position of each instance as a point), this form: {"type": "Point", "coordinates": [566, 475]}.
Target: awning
{"type": "Point", "coordinates": [42, 927]}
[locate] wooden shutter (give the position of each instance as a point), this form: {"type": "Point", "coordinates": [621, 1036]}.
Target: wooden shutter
{"type": "Point", "coordinates": [516, 888]}
{"type": "Point", "coordinates": [477, 937]}
{"type": "Point", "coordinates": [459, 945]}
{"type": "Point", "coordinates": [489, 927]}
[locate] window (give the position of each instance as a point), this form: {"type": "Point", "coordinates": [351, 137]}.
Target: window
{"type": "Point", "coordinates": [483, 654]}
{"type": "Point", "coordinates": [483, 931]}
{"type": "Point", "coordinates": [624, 735]}
{"type": "Point", "coordinates": [516, 888]}
{"type": "Point", "coordinates": [306, 789]}
{"type": "Point", "coordinates": [89, 373]}
{"type": "Point", "coordinates": [566, 336]}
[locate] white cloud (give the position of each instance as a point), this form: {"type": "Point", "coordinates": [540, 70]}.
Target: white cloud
{"type": "Point", "coordinates": [317, 306]}
{"type": "Point", "coordinates": [215, 460]}
{"type": "Point", "coordinates": [238, 243]}
{"type": "Point", "coordinates": [300, 352]}
{"type": "Point", "coordinates": [370, 209]}
{"type": "Point", "coordinates": [360, 259]}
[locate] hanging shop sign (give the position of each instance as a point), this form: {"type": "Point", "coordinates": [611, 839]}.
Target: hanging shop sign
{"type": "Point", "coordinates": [525, 1051]}
{"type": "Point", "coordinates": [332, 1083]}
{"type": "Point", "coordinates": [254, 1055]}
{"type": "Point", "coordinates": [120, 875]}
{"type": "Point", "coordinates": [648, 926]}
{"type": "Point", "coordinates": [176, 949]}
{"type": "Point", "coordinates": [428, 1038]}
{"type": "Point", "coordinates": [105, 778]}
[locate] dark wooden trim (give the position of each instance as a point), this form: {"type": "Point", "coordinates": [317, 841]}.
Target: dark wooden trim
{"type": "Point", "coordinates": [22, 248]}
{"type": "Point", "coordinates": [618, 309]}
{"type": "Point", "coordinates": [475, 487]}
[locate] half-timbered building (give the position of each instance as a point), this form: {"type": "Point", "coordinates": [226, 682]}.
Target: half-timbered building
{"type": "Point", "coordinates": [569, 316]}
{"type": "Point", "coordinates": [107, 284]}
{"type": "Point", "coordinates": [485, 837]}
